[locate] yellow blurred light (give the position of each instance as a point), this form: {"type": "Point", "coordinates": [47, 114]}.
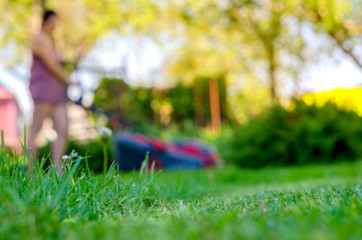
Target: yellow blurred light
{"type": "Point", "coordinates": [350, 99]}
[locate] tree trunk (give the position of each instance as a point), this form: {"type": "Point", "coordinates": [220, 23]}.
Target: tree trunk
{"type": "Point", "coordinates": [271, 72]}
{"type": "Point", "coordinates": [199, 113]}
{"type": "Point", "coordinates": [215, 105]}
{"type": "Point", "coordinates": [272, 78]}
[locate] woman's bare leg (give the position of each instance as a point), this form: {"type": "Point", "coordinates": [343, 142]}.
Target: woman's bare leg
{"type": "Point", "coordinates": [41, 111]}
{"type": "Point", "coordinates": [60, 119]}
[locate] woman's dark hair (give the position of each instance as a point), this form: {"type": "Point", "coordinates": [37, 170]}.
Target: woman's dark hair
{"type": "Point", "coordinates": [48, 14]}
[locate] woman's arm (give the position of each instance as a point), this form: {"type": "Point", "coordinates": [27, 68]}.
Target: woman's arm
{"type": "Point", "coordinates": [42, 47]}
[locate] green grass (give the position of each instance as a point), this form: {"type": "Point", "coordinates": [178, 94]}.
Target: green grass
{"type": "Point", "coordinates": [311, 202]}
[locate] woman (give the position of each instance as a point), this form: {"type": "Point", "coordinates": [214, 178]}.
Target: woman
{"type": "Point", "coordinates": [48, 82]}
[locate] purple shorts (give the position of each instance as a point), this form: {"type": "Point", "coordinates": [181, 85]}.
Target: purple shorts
{"type": "Point", "coordinates": [44, 86]}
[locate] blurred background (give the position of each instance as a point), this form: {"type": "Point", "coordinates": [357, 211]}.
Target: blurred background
{"type": "Point", "coordinates": [267, 82]}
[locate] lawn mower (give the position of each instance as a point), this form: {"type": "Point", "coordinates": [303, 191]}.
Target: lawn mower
{"type": "Point", "coordinates": [131, 146]}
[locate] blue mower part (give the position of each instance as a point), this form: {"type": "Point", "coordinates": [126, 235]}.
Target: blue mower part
{"type": "Point", "coordinates": [131, 151]}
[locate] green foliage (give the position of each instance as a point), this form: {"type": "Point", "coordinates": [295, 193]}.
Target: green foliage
{"type": "Point", "coordinates": [83, 22]}
{"type": "Point", "coordinates": [191, 103]}
{"type": "Point", "coordinates": [160, 107]}
{"type": "Point", "coordinates": [305, 134]}
{"type": "Point", "coordinates": [117, 97]}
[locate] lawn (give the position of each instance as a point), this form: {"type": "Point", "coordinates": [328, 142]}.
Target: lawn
{"type": "Point", "coordinates": [309, 202]}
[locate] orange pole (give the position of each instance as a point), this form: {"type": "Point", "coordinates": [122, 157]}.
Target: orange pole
{"type": "Point", "coordinates": [215, 105]}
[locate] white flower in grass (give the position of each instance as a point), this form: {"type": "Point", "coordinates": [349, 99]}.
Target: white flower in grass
{"type": "Point", "coordinates": [68, 159]}
{"type": "Point", "coordinates": [74, 154]}
{"type": "Point", "coordinates": [105, 133]}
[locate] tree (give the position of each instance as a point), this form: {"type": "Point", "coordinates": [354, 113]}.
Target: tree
{"type": "Point", "coordinates": [203, 54]}
{"type": "Point", "coordinates": [244, 39]}
{"type": "Point", "coordinates": [341, 20]}
{"type": "Point", "coordinates": [257, 42]}
{"type": "Point", "coordinates": [263, 38]}
{"type": "Point", "coordinates": [82, 23]}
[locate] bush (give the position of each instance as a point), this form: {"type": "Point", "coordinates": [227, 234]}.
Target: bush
{"type": "Point", "coordinates": [306, 134]}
